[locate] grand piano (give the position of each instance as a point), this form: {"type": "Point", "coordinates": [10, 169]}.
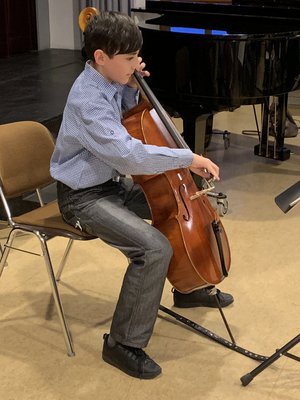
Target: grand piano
{"type": "Point", "coordinates": [210, 56]}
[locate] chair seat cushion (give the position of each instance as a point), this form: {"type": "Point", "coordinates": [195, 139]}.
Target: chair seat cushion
{"type": "Point", "coordinates": [48, 219]}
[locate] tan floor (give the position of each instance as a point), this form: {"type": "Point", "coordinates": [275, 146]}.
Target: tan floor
{"type": "Point", "coordinates": [264, 280]}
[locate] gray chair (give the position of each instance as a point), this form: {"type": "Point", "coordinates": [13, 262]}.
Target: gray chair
{"type": "Point", "coordinates": [25, 151]}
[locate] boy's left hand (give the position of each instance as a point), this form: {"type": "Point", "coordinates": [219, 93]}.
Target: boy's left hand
{"type": "Point", "coordinates": [141, 69]}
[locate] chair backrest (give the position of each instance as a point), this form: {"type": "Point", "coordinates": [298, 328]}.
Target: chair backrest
{"type": "Point", "coordinates": [26, 148]}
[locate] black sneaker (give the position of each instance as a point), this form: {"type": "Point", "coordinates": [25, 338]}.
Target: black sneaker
{"type": "Point", "coordinates": [131, 360]}
{"type": "Point", "coordinates": [201, 298]}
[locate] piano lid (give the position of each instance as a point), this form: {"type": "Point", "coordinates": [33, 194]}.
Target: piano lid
{"type": "Point", "coordinates": [219, 20]}
{"type": "Point", "coordinates": [284, 8]}
{"type": "Point", "coordinates": [276, 3]}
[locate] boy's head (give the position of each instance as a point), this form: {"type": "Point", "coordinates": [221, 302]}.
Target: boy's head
{"type": "Point", "coordinates": [112, 32]}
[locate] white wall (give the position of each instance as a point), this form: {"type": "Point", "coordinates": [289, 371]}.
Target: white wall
{"type": "Point", "coordinates": [42, 20]}
{"type": "Point", "coordinates": [57, 20]}
{"type": "Point", "coordinates": [63, 23]}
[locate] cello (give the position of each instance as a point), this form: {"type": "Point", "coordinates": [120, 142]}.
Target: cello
{"type": "Point", "coordinates": [201, 253]}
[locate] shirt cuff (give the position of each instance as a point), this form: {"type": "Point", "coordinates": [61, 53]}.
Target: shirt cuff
{"type": "Point", "coordinates": [130, 97]}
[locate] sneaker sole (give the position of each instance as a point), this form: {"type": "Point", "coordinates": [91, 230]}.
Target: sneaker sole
{"type": "Point", "coordinates": [189, 305]}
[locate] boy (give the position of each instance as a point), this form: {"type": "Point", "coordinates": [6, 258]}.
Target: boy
{"type": "Point", "coordinates": [93, 150]}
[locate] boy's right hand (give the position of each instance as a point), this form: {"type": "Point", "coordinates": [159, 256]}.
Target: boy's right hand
{"type": "Point", "coordinates": [204, 167]}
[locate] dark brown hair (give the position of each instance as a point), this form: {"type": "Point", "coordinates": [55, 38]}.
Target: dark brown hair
{"type": "Point", "coordinates": [112, 32]}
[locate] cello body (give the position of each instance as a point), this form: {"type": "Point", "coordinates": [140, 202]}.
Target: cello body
{"type": "Point", "coordinates": [201, 253]}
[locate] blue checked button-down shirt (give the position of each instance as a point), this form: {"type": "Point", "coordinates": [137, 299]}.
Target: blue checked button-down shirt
{"type": "Point", "coordinates": [93, 146]}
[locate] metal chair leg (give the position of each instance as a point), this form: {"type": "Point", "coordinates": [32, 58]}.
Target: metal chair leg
{"type": "Point", "coordinates": [56, 296]}
{"type": "Point", "coordinates": [6, 250]}
{"type": "Point", "coordinates": [64, 259]}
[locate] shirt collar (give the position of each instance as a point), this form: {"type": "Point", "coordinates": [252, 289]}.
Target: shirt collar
{"type": "Point", "coordinates": [108, 87]}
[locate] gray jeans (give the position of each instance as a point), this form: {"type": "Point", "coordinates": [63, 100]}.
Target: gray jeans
{"type": "Point", "coordinates": [115, 212]}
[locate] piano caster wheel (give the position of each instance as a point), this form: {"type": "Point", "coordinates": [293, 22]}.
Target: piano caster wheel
{"type": "Point", "coordinates": [225, 134]}
{"type": "Point", "coordinates": [221, 204]}
{"type": "Point", "coordinates": [226, 139]}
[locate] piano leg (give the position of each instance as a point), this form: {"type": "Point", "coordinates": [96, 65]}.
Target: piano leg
{"type": "Point", "coordinates": [196, 128]}
{"type": "Point", "coordinates": [281, 117]}
{"type": "Point", "coordinates": [273, 149]}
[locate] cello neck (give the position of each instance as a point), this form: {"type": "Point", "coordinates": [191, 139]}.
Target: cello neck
{"type": "Point", "coordinates": [163, 115]}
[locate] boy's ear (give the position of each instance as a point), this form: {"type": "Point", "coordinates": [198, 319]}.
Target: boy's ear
{"type": "Point", "coordinates": [99, 56]}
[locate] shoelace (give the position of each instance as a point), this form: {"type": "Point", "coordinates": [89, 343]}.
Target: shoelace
{"type": "Point", "coordinates": [136, 353]}
{"type": "Point", "coordinates": [139, 355]}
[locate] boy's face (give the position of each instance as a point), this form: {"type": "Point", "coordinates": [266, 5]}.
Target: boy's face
{"type": "Point", "coordinates": [119, 68]}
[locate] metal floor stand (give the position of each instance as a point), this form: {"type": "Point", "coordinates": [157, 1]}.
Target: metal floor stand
{"type": "Point", "coordinates": [265, 361]}
{"type": "Point", "coordinates": [283, 351]}
{"type": "Point", "coordinates": [211, 335]}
